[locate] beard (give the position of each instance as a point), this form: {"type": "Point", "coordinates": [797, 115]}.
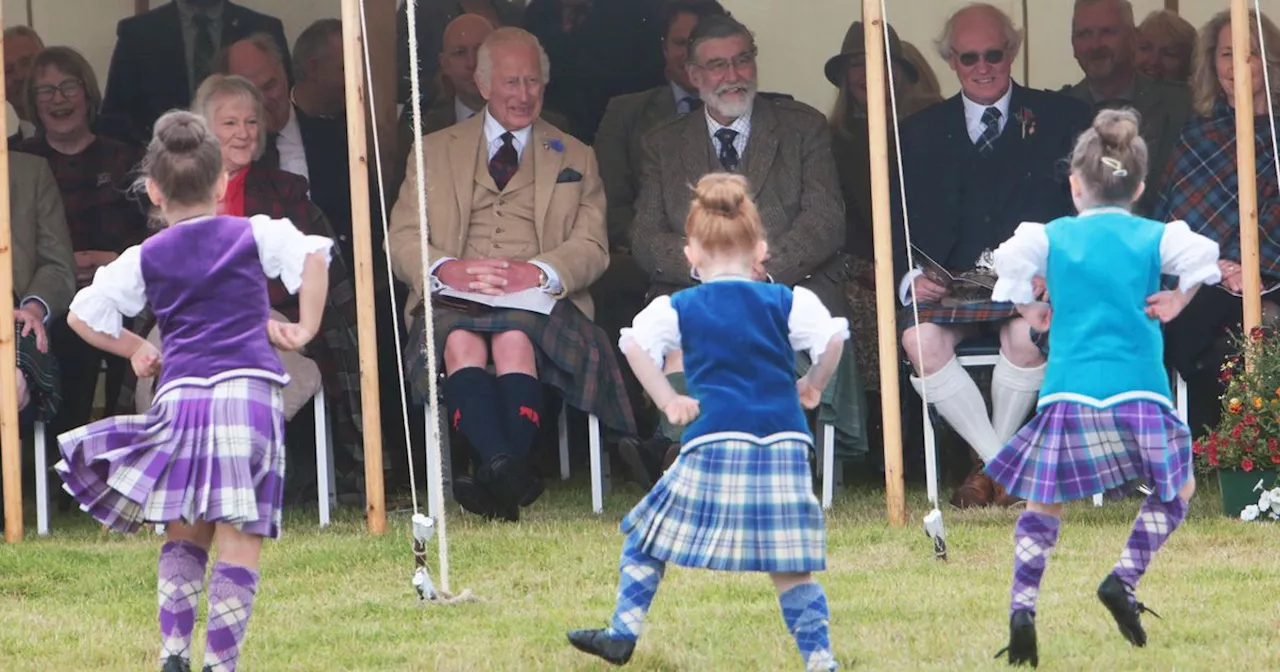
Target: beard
{"type": "Point", "coordinates": [719, 100]}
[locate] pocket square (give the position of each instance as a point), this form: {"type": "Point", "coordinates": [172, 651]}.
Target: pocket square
{"type": "Point", "coordinates": [568, 175]}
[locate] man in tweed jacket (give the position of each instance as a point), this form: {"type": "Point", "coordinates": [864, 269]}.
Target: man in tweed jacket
{"type": "Point", "coordinates": [782, 147]}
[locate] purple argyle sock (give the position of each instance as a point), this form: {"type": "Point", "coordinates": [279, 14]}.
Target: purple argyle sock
{"type": "Point", "coordinates": [1155, 522]}
{"type": "Point", "coordinates": [231, 591]}
{"type": "Point", "coordinates": [1034, 536]}
{"type": "Point", "coordinates": [181, 579]}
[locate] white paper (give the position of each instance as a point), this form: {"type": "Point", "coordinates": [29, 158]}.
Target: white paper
{"type": "Point", "coordinates": [533, 300]}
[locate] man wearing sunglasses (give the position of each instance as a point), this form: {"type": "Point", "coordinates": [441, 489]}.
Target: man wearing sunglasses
{"type": "Point", "coordinates": [1102, 37]}
{"type": "Point", "coordinates": [975, 167]}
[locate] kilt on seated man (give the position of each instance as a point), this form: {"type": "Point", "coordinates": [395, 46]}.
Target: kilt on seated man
{"type": "Point", "coordinates": [975, 166]}
{"type": "Point", "coordinates": [515, 205]}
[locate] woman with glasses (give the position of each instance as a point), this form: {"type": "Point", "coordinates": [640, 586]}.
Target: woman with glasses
{"type": "Point", "coordinates": [93, 173]}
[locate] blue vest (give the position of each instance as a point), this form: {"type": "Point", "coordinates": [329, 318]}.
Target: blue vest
{"type": "Point", "coordinates": [738, 359]}
{"type": "Point", "coordinates": [1103, 349]}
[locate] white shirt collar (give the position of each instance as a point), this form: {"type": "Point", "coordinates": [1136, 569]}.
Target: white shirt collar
{"type": "Point", "coordinates": [493, 135]}
{"type": "Point", "coordinates": [973, 113]}
{"type": "Point", "coordinates": [293, 153]}
{"type": "Point", "coordinates": [460, 110]}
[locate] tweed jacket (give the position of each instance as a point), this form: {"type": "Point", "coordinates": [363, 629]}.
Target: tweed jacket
{"type": "Point", "coordinates": [568, 207]}
{"type": "Point", "coordinates": [43, 263]}
{"type": "Point", "coordinates": [619, 146]}
{"type": "Point", "coordinates": [1164, 108]}
{"type": "Point", "coordinates": [792, 173]}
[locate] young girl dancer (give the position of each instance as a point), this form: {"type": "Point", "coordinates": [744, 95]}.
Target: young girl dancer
{"type": "Point", "coordinates": [1104, 417]}
{"type": "Point", "coordinates": [740, 496]}
{"type": "Point", "coordinates": [208, 458]}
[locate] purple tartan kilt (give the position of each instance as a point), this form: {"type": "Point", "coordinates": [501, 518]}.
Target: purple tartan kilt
{"type": "Point", "coordinates": [200, 453]}
{"type": "Point", "coordinates": [574, 356]}
{"type": "Point", "coordinates": [738, 504]}
{"type": "Point", "coordinates": [1071, 451]}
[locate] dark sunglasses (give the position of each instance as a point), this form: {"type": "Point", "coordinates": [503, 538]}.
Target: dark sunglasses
{"type": "Point", "coordinates": [991, 56]}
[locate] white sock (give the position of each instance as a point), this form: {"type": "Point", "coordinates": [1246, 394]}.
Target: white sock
{"type": "Point", "coordinates": [958, 400]}
{"type": "Point", "coordinates": [1014, 392]}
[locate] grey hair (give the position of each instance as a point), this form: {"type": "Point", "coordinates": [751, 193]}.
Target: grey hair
{"type": "Point", "coordinates": [262, 41]}
{"type": "Point", "coordinates": [24, 31]}
{"type": "Point", "coordinates": [1126, 9]}
{"type": "Point", "coordinates": [510, 35]}
{"type": "Point", "coordinates": [716, 27]}
{"type": "Point", "coordinates": [218, 88]}
{"type": "Point", "coordinates": [1012, 36]}
{"type": "Point", "coordinates": [312, 43]}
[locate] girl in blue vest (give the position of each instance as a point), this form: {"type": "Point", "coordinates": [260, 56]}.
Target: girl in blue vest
{"type": "Point", "coordinates": [740, 496]}
{"type": "Point", "coordinates": [1104, 418]}
{"type": "Point", "coordinates": [208, 458]}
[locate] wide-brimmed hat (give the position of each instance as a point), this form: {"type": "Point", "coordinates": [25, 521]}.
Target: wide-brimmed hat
{"type": "Point", "coordinates": [854, 46]}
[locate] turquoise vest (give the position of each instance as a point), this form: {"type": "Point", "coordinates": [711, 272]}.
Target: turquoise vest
{"type": "Point", "coordinates": [1103, 349]}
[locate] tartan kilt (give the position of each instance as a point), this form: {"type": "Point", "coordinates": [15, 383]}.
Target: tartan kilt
{"type": "Point", "coordinates": [969, 313]}
{"type": "Point", "coordinates": [1071, 451]}
{"type": "Point", "coordinates": [211, 453]}
{"type": "Point", "coordinates": [735, 504]}
{"type": "Point", "coordinates": [42, 374]}
{"type": "Point", "coordinates": [574, 356]}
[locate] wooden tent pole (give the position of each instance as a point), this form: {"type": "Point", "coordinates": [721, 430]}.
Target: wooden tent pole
{"type": "Point", "coordinates": [362, 244]}
{"type": "Point", "coordinates": [10, 441]}
{"type": "Point", "coordinates": [1171, 5]}
{"type": "Point", "coordinates": [1246, 165]}
{"type": "Point", "coordinates": [877, 126]}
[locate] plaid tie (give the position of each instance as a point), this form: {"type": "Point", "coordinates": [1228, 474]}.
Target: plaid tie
{"type": "Point", "coordinates": [728, 153]}
{"type": "Point", "coordinates": [987, 141]}
{"type": "Point", "coordinates": [202, 55]}
{"type": "Point", "coordinates": [505, 162]}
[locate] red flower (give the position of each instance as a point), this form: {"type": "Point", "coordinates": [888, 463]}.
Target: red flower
{"type": "Point", "coordinates": [1246, 464]}
{"type": "Point", "coordinates": [1250, 419]}
{"type": "Point", "coordinates": [1273, 445]}
{"type": "Point", "coordinates": [1275, 459]}
{"type": "Point", "coordinates": [1235, 433]}
{"type": "Point", "coordinates": [1197, 448]}
{"type": "Point", "coordinates": [1213, 459]}
{"type": "Point", "coordinates": [1225, 376]}
{"type": "Point", "coordinates": [1248, 448]}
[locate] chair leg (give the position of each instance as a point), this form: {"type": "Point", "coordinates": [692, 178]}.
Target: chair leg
{"type": "Point", "coordinates": [1097, 499]}
{"type": "Point", "coordinates": [324, 457]}
{"type": "Point", "coordinates": [828, 465]}
{"type": "Point", "coordinates": [564, 442]}
{"type": "Point", "coordinates": [598, 467]}
{"type": "Point", "coordinates": [42, 482]}
{"type": "Point", "coordinates": [930, 458]}
{"type": "Point", "coordinates": [1180, 396]}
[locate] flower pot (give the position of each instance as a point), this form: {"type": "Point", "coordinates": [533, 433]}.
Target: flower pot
{"type": "Point", "coordinates": [1238, 488]}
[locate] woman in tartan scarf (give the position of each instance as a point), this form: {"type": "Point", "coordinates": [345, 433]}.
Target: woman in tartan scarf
{"type": "Point", "coordinates": [1200, 187]}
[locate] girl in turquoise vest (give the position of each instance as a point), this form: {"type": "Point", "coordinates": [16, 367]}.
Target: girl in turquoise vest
{"type": "Point", "coordinates": [1104, 418]}
{"type": "Point", "coordinates": [740, 496]}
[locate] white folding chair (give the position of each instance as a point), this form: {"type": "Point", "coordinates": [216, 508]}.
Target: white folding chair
{"type": "Point", "coordinates": [326, 480]}
{"type": "Point", "coordinates": [42, 482]}
{"type": "Point", "coordinates": [832, 471]}
{"type": "Point", "coordinates": [1180, 404]}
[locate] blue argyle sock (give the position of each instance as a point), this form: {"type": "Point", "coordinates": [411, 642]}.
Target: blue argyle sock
{"type": "Point", "coordinates": [804, 610]}
{"type": "Point", "coordinates": [638, 577]}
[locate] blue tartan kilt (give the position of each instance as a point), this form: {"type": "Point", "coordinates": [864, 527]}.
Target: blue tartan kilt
{"type": "Point", "coordinates": [735, 504]}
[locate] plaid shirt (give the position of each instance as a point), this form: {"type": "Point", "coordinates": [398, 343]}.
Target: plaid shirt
{"type": "Point", "coordinates": [1201, 185]}
{"type": "Point", "coordinates": [94, 185]}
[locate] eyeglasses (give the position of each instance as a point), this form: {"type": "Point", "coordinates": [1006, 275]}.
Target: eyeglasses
{"type": "Point", "coordinates": [719, 66]}
{"type": "Point", "coordinates": [991, 56]}
{"type": "Point", "coordinates": [71, 88]}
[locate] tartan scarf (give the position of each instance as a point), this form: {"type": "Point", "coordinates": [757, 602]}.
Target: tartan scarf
{"type": "Point", "coordinates": [1201, 185]}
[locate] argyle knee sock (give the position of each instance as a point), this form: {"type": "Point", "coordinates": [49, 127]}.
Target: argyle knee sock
{"type": "Point", "coordinates": [231, 593]}
{"type": "Point", "coordinates": [180, 581]}
{"type": "Point", "coordinates": [521, 410]}
{"type": "Point", "coordinates": [1034, 536]}
{"type": "Point", "coordinates": [804, 610]}
{"type": "Point", "coordinates": [1014, 392]}
{"type": "Point", "coordinates": [638, 577]}
{"type": "Point", "coordinates": [672, 432]}
{"type": "Point", "coordinates": [471, 395]}
{"type": "Point", "coordinates": [1155, 522]}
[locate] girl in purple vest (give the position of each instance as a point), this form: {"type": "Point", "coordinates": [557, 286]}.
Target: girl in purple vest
{"type": "Point", "coordinates": [740, 496]}
{"type": "Point", "coordinates": [208, 459]}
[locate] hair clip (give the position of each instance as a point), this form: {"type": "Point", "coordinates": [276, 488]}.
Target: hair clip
{"type": "Point", "coordinates": [1117, 168]}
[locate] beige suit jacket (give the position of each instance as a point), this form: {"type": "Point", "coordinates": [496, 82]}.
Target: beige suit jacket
{"type": "Point", "coordinates": [43, 263]}
{"type": "Point", "coordinates": [568, 212]}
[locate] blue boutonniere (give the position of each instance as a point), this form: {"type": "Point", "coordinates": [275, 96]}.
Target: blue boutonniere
{"type": "Point", "coordinates": [554, 144]}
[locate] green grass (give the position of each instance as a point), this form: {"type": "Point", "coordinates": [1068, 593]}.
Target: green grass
{"type": "Point", "coordinates": [339, 599]}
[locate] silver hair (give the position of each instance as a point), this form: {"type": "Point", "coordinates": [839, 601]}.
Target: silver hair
{"type": "Point", "coordinates": [510, 35]}
{"type": "Point", "coordinates": [217, 89]}
{"type": "Point", "coordinates": [312, 44]}
{"type": "Point", "coordinates": [1012, 36]}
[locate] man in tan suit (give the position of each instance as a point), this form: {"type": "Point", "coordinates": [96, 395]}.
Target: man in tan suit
{"type": "Point", "coordinates": [516, 205]}
{"type": "Point", "coordinates": [44, 273]}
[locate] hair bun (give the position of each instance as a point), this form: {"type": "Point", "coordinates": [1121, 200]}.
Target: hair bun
{"type": "Point", "coordinates": [1117, 128]}
{"type": "Point", "coordinates": [181, 132]}
{"type": "Point", "coordinates": [721, 193]}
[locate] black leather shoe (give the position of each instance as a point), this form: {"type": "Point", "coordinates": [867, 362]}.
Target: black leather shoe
{"type": "Point", "coordinates": [1022, 640]}
{"type": "Point", "coordinates": [597, 643]}
{"type": "Point", "coordinates": [476, 498]}
{"type": "Point", "coordinates": [1117, 597]}
{"type": "Point", "coordinates": [176, 664]}
{"type": "Point", "coordinates": [643, 459]}
{"type": "Point", "coordinates": [510, 482]}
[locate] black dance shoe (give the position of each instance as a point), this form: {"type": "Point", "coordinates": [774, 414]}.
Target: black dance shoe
{"type": "Point", "coordinates": [1022, 640]}
{"type": "Point", "coordinates": [1117, 597]}
{"type": "Point", "coordinates": [599, 644]}
{"type": "Point", "coordinates": [476, 498]}
{"type": "Point", "coordinates": [176, 664]}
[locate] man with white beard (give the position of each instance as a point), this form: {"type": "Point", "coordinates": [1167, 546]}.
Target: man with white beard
{"type": "Point", "coordinates": [782, 147]}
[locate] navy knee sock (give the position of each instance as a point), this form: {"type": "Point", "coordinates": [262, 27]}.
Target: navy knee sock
{"type": "Point", "coordinates": [521, 411]}
{"type": "Point", "coordinates": [471, 397]}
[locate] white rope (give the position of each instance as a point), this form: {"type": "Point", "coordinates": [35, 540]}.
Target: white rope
{"type": "Point", "coordinates": [1266, 80]}
{"type": "Point", "coordinates": [429, 341]}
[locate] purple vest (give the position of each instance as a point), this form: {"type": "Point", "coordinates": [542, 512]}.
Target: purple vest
{"type": "Point", "coordinates": [206, 286]}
